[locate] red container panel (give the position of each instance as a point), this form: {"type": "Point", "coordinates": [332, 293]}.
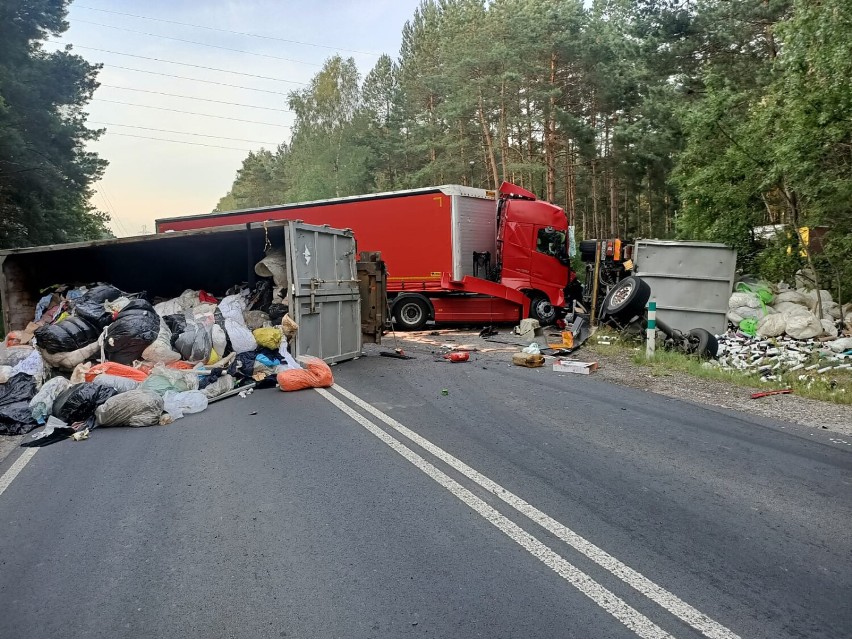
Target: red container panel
{"type": "Point", "coordinates": [413, 232]}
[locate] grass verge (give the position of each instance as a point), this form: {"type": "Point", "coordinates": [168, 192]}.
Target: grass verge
{"type": "Point", "coordinates": [834, 386]}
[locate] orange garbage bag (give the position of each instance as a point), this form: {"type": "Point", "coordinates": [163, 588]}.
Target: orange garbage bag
{"type": "Point", "coordinates": [316, 374]}
{"type": "Point", "coordinates": [113, 368]}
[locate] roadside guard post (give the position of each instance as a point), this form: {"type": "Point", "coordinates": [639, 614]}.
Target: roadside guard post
{"type": "Point", "coordinates": [651, 331]}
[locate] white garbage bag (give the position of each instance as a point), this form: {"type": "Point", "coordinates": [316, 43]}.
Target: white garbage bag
{"type": "Point", "coordinates": [179, 404]}
{"type": "Point", "coordinates": [841, 345]}
{"type": "Point", "coordinates": [241, 337]}
{"type": "Point", "coordinates": [828, 328]}
{"type": "Point", "coordinates": [795, 297]}
{"type": "Point", "coordinates": [772, 325]}
{"type": "Point", "coordinates": [740, 300]}
{"type": "Point", "coordinates": [42, 404]}
{"type": "Point", "coordinates": [802, 325]}
{"type": "Point", "coordinates": [232, 308]}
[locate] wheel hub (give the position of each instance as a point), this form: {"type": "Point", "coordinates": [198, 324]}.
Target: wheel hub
{"type": "Point", "coordinates": [621, 295]}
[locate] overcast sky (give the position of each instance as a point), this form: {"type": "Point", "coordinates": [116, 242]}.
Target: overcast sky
{"type": "Point", "coordinates": [147, 179]}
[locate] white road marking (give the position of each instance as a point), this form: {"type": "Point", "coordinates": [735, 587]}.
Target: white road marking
{"type": "Point", "coordinates": [15, 468]}
{"type": "Point", "coordinates": [671, 602]}
{"type": "Point", "coordinates": [630, 617]}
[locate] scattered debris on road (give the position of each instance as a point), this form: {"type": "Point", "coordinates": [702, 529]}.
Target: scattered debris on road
{"type": "Point", "coordinates": [780, 391]}
{"type": "Point", "coordinates": [574, 366]}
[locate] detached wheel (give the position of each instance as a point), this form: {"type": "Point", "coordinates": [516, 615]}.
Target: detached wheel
{"type": "Point", "coordinates": [542, 310]}
{"type": "Point", "coordinates": [411, 313]}
{"type": "Point", "coordinates": [627, 298]}
{"type": "Point", "coordinates": [705, 343]}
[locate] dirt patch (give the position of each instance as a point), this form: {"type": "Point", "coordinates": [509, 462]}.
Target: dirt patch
{"type": "Point", "coordinates": [616, 366]}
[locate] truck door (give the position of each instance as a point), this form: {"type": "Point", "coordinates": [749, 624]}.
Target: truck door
{"type": "Point", "coordinates": [549, 261]}
{"type": "Point", "coordinates": [324, 297]}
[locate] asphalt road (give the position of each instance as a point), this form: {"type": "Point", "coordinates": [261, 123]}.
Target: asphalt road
{"type": "Point", "coordinates": [520, 504]}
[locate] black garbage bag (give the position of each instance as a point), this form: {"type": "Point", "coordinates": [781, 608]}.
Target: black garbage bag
{"type": "Point", "coordinates": [242, 368]}
{"type": "Point", "coordinates": [194, 343]}
{"type": "Point", "coordinates": [134, 329]}
{"type": "Point", "coordinates": [94, 313]}
{"type": "Point", "coordinates": [277, 313]}
{"type": "Point", "coordinates": [100, 294]}
{"type": "Point", "coordinates": [78, 403]}
{"type": "Point", "coordinates": [68, 335]}
{"type": "Point", "coordinates": [176, 324]}
{"type": "Point", "coordinates": [15, 395]}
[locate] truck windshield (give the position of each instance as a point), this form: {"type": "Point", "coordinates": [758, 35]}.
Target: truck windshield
{"type": "Point", "coordinates": [552, 242]}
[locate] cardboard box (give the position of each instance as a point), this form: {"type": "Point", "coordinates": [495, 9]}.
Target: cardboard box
{"type": "Point", "coordinates": [573, 366]}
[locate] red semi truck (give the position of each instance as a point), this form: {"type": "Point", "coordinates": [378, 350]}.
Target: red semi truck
{"type": "Point", "coordinates": [453, 253]}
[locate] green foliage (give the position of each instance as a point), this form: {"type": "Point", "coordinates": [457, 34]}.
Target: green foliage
{"type": "Point", "coordinates": [45, 172]}
{"type": "Point", "coordinates": [643, 118]}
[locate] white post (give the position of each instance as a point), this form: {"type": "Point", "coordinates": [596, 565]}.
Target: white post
{"type": "Point", "coordinates": [651, 331]}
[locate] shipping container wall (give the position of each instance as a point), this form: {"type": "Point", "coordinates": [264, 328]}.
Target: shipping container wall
{"type": "Point", "coordinates": [474, 230]}
{"type": "Point", "coordinates": [690, 281]}
{"type": "Point", "coordinates": [210, 259]}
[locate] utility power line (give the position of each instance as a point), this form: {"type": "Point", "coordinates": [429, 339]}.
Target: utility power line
{"type": "Point", "coordinates": [212, 146]}
{"type": "Point", "coordinates": [206, 115]}
{"type": "Point", "coordinates": [201, 135]}
{"type": "Point", "coordinates": [200, 44]}
{"type": "Point", "coordinates": [183, 64]}
{"type": "Point", "coordinates": [243, 33]}
{"type": "Point", "coordinates": [183, 77]}
{"type": "Point", "coordinates": [189, 97]}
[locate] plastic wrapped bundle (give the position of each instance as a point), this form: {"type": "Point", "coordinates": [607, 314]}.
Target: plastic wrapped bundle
{"type": "Point", "coordinates": [42, 404]}
{"type": "Point", "coordinates": [78, 403]}
{"type": "Point", "coordinates": [66, 336]}
{"type": "Point", "coordinates": [133, 408]}
{"type": "Point", "coordinates": [134, 329]}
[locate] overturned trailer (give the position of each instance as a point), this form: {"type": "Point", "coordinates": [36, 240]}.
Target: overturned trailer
{"type": "Point", "coordinates": [337, 302]}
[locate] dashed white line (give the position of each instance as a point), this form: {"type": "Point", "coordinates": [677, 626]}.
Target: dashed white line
{"type": "Point", "coordinates": [630, 617]}
{"type": "Point", "coordinates": [671, 602]}
{"type": "Point", "coordinates": [15, 468]}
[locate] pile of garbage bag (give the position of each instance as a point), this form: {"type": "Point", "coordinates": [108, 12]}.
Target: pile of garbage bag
{"type": "Point", "coordinates": [95, 356]}
{"type": "Point", "coordinates": [758, 309]}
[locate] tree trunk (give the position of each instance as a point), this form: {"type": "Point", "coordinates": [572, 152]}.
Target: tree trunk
{"type": "Point", "coordinates": [550, 137]}
{"type": "Point", "coordinates": [504, 134]}
{"type": "Point", "coordinates": [491, 162]}
{"type": "Point", "coordinates": [596, 222]}
{"type": "Point", "coordinates": [613, 203]}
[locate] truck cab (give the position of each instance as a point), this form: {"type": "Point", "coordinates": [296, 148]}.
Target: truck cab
{"type": "Point", "coordinates": [532, 250]}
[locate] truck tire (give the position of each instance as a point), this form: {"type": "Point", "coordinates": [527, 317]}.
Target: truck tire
{"type": "Point", "coordinates": [706, 344]}
{"type": "Point", "coordinates": [627, 298]}
{"type": "Point", "coordinates": [588, 249]}
{"type": "Point", "coordinates": [542, 310]}
{"type": "Point", "coordinates": [410, 313]}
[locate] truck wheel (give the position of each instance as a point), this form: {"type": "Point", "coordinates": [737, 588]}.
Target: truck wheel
{"type": "Point", "coordinates": [542, 310]}
{"type": "Point", "coordinates": [706, 344]}
{"type": "Point", "coordinates": [627, 298]}
{"type": "Point", "coordinates": [411, 313]}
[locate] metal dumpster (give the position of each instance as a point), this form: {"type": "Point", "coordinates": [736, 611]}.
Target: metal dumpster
{"type": "Point", "coordinates": [690, 281]}
{"type": "Point", "coordinates": [323, 295]}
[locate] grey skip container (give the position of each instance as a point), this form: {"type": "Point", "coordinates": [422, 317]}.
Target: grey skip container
{"type": "Point", "coordinates": [690, 281]}
{"type": "Point", "coordinates": [323, 295]}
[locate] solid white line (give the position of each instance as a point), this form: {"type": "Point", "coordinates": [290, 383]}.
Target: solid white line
{"type": "Point", "coordinates": [633, 619]}
{"type": "Point", "coordinates": [671, 602]}
{"type": "Point", "coordinates": [15, 468]}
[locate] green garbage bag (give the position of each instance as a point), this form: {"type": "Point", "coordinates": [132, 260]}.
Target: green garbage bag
{"type": "Point", "coordinates": [749, 327]}
{"type": "Point", "coordinates": [761, 290]}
